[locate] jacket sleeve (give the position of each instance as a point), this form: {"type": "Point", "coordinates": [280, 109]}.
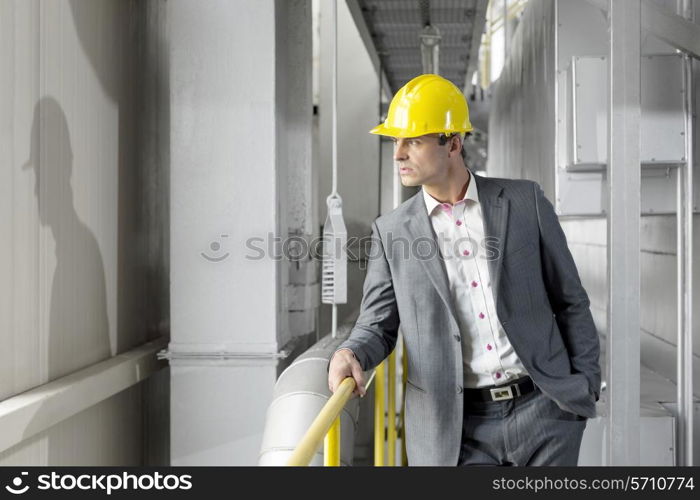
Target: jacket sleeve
{"type": "Point", "coordinates": [374, 335]}
{"type": "Point", "coordinates": [567, 296]}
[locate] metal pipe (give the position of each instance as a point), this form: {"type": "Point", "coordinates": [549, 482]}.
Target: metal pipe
{"type": "Point", "coordinates": [684, 260]}
{"type": "Point", "coordinates": [299, 395]}
{"type": "Point", "coordinates": [574, 106]}
{"type": "Point", "coordinates": [330, 412]}
{"type": "Point", "coordinates": [334, 320]}
{"type": "Point", "coordinates": [379, 142]}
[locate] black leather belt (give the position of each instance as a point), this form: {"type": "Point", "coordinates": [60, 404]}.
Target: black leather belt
{"type": "Point", "coordinates": [503, 392]}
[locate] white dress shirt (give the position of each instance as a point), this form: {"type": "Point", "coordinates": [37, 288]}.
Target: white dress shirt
{"type": "Point", "coordinates": [488, 357]}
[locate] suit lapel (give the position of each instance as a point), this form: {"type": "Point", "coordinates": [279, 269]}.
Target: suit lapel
{"type": "Point", "coordinates": [494, 209]}
{"type": "Point", "coordinates": [420, 228]}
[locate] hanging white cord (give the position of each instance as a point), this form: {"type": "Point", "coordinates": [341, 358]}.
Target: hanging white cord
{"type": "Point", "coordinates": [334, 279]}
{"type": "Point", "coordinates": [334, 97]}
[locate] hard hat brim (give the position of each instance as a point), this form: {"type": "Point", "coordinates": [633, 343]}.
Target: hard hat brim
{"type": "Point", "coordinates": [382, 129]}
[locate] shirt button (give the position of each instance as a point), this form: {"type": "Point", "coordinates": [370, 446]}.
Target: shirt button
{"type": "Point", "coordinates": [481, 315]}
{"type": "Point", "coordinates": [504, 323]}
{"type": "Point", "coordinates": [459, 222]}
{"type": "Point", "coordinates": [459, 389]}
{"type": "Point", "coordinates": [498, 374]}
{"type": "Point", "coordinates": [488, 346]}
{"type": "Point", "coordinates": [474, 283]}
{"type": "Point", "coordinates": [458, 338]}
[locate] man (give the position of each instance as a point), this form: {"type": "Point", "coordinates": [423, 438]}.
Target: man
{"type": "Point", "coordinates": [501, 346]}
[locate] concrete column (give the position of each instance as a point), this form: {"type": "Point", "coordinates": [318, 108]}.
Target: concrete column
{"type": "Point", "coordinates": [624, 179]}
{"type": "Point", "coordinates": [235, 138]}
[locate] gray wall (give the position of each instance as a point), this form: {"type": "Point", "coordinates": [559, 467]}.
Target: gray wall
{"type": "Point", "coordinates": [521, 120]}
{"type": "Point", "coordinates": [84, 210]}
{"type": "Point", "coordinates": [524, 143]}
{"type": "Point", "coordinates": [587, 241]}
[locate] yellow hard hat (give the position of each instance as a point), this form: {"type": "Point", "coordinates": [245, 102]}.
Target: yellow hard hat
{"type": "Point", "coordinates": [428, 104]}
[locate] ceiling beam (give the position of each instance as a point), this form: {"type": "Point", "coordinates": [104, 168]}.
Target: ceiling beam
{"type": "Point", "coordinates": [666, 25]}
{"type": "Point", "coordinates": [366, 36]}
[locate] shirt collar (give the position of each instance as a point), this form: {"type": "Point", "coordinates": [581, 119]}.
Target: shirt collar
{"type": "Point", "coordinates": [471, 194]}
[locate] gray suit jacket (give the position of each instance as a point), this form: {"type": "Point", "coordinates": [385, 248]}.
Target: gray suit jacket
{"type": "Point", "coordinates": [539, 301]}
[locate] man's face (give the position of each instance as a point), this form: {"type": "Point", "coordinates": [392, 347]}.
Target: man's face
{"type": "Point", "coordinates": [421, 160]}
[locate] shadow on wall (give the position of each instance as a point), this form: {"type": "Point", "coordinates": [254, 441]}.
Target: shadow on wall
{"type": "Point", "coordinates": [78, 308]}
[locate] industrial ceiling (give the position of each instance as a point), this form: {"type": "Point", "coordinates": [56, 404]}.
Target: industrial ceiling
{"type": "Point", "coordinates": [393, 28]}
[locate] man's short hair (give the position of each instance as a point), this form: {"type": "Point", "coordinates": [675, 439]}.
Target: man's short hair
{"type": "Point", "coordinates": [443, 138]}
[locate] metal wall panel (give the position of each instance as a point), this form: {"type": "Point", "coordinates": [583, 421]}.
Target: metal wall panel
{"type": "Point", "coordinates": [83, 183]}
{"type": "Point", "coordinates": [589, 111]}
{"type": "Point", "coordinates": [658, 317]}
{"type": "Point", "coordinates": [662, 110]}
{"type": "Point", "coordinates": [522, 119]}
{"type": "Point", "coordinates": [582, 115]}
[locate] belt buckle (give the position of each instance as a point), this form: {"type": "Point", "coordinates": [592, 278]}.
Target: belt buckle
{"type": "Point", "coordinates": [501, 393]}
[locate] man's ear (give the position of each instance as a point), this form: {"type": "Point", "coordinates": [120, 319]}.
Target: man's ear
{"type": "Point", "coordinates": [455, 144]}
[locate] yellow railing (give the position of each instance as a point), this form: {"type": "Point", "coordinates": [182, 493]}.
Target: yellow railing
{"type": "Point", "coordinates": [391, 427]}
{"type": "Point", "coordinates": [379, 415]}
{"type": "Point", "coordinates": [327, 419]}
{"type": "Point", "coordinates": [326, 426]}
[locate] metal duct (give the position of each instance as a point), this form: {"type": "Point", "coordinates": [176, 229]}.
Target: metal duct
{"type": "Point", "coordinates": [430, 49]}
{"type": "Point", "coordinates": [299, 394]}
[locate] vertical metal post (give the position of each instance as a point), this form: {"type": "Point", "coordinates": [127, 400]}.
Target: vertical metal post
{"type": "Point", "coordinates": [379, 415]}
{"type": "Point", "coordinates": [404, 377]}
{"type": "Point", "coordinates": [331, 445]}
{"type": "Point", "coordinates": [391, 412]}
{"type": "Point", "coordinates": [506, 32]}
{"type": "Point", "coordinates": [684, 259]}
{"type": "Point", "coordinates": [379, 139]}
{"type": "Point", "coordinates": [624, 184]}
{"type": "Point", "coordinates": [485, 64]}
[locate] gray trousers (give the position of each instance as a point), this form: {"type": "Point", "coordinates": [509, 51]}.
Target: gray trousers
{"type": "Point", "coordinates": [529, 430]}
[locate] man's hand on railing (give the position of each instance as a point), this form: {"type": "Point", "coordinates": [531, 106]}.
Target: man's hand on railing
{"type": "Point", "coordinates": [344, 364]}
